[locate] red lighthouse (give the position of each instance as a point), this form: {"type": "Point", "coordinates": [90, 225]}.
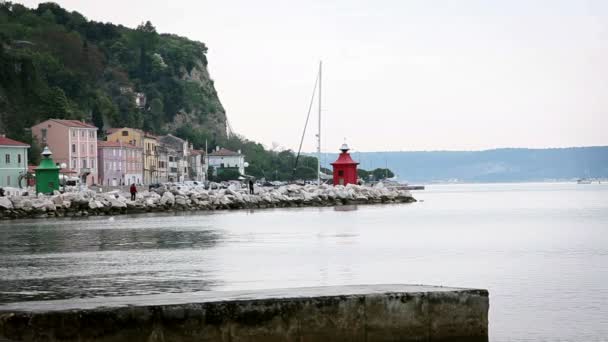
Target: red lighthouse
{"type": "Point", "coordinates": [345, 168]}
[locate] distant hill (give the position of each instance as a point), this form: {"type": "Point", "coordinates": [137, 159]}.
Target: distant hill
{"type": "Point", "coordinates": [498, 165]}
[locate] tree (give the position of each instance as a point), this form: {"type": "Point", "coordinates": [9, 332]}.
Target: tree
{"type": "Point", "coordinates": [57, 104]}
{"type": "Point", "coordinates": [380, 174]}
{"type": "Point", "coordinates": [226, 174]}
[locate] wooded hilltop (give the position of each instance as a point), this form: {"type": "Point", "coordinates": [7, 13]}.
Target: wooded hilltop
{"type": "Point", "coordinates": [56, 63]}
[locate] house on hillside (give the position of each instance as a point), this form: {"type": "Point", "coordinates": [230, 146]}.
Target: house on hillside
{"type": "Point", "coordinates": [72, 142]}
{"type": "Point", "coordinates": [13, 161]}
{"type": "Point", "coordinates": [224, 158]}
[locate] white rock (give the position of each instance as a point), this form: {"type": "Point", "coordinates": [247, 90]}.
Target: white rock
{"type": "Point", "coordinates": [167, 198]}
{"type": "Point", "coordinates": [5, 203]}
{"type": "Point", "coordinates": [115, 203]}
{"type": "Point", "coordinates": [180, 200]}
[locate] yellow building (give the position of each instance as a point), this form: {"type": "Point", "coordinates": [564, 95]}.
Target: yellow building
{"type": "Point", "coordinates": [150, 159]}
{"type": "Point", "coordinates": [126, 135]}
{"type": "Point", "coordinates": [142, 139]}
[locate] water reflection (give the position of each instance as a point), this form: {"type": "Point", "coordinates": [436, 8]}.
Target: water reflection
{"type": "Point", "coordinates": [347, 207]}
{"type": "Point", "coordinates": [60, 259]}
{"type": "Point", "coordinates": [70, 241]}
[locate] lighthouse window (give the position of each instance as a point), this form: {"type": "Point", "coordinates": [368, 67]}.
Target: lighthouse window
{"type": "Point", "coordinates": [341, 173]}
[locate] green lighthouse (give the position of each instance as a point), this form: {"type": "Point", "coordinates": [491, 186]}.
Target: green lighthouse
{"type": "Point", "coordinates": [47, 174]}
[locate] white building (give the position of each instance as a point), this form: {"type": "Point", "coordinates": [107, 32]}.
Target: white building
{"type": "Point", "coordinates": [224, 158]}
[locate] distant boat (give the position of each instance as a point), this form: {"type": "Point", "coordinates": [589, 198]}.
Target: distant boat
{"type": "Point", "coordinates": [583, 181]}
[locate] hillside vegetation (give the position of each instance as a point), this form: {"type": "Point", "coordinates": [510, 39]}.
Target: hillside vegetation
{"type": "Point", "coordinates": [56, 63]}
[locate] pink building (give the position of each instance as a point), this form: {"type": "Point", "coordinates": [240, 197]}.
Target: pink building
{"type": "Point", "coordinates": [120, 163]}
{"type": "Point", "coordinates": [72, 142]}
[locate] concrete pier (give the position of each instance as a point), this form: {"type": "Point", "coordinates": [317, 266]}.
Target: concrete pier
{"type": "Point", "coordinates": [334, 313]}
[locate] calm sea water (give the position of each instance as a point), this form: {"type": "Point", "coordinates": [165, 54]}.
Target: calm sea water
{"type": "Point", "coordinates": [540, 249]}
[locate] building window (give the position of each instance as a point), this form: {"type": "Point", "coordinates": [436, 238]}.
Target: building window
{"type": "Point", "coordinates": [74, 133]}
{"type": "Point", "coordinates": [91, 149]}
{"type": "Point", "coordinates": [7, 158]}
{"type": "Point", "coordinates": [73, 166]}
{"type": "Point", "coordinates": [73, 148]}
{"type": "Point", "coordinates": [125, 133]}
{"type": "Point", "coordinates": [8, 180]}
{"type": "Point", "coordinates": [84, 163]}
{"type": "Point", "coordinates": [18, 159]}
{"type": "Point", "coordinates": [82, 134]}
{"type": "Point", "coordinates": [92, 163]}
{"type": "Point", "coordinates": [43, 132]}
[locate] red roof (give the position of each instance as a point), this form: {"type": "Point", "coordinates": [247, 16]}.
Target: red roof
{"type": "Point", "coordinates": [114, 144]}
{"type": "Point", "coordinates": [73, 123]}
{"type": "Point", "coordinates": [4, 141]}
{"type": "Point", "coordinates": [224, 152]}
{"type": "Point", "coordinates": [344, 159]}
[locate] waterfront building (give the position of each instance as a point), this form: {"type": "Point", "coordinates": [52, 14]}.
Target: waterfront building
{"type": "Point", "coordinates": [145, 140]}
{"type": "Point", "coordinates": [162, 171]}
{"type": "Point", "coordinates": [150, 158]}
{"type": "Point", "coordinates": [13, 161]}
{"type": "Point", "coordinates": [126, 135]}
{"type": "Point", "coordinates": [74, 143]}
{"type": "Point", "coordinates": [198, 169]}
{"type": "Point", "coordinates": [178, 152]}
{"type": "Point", "coordinates": [224, 158]}
{"type": "Point", "coordinates": [119, 163]}
{"type": "Point", "coordinates": [345, 168]}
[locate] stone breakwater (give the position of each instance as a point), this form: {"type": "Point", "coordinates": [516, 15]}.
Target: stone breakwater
{"type": "Point", "coordinates": [334, 313]}
{"type": "Point", "coordinates": [164, 199]}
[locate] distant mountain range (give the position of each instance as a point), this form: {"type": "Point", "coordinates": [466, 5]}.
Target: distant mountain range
{"type": "Point", "coordinates": [497, 165]}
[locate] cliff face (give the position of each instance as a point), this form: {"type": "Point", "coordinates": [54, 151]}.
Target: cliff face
{"type": "Point", "coordinates": [212, 121]}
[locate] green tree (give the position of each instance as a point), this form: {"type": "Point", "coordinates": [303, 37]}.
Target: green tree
{"type": "Point", "coordinates": [57, 104]}
{"type": "Point", "coordinates": [226, 174]}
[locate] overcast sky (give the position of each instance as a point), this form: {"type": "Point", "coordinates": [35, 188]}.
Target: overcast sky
{"type": "Point", "coordinates": [398, 75]}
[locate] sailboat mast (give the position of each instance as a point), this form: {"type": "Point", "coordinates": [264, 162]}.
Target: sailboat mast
{"type": "Point", "coordinates": [319, 131]}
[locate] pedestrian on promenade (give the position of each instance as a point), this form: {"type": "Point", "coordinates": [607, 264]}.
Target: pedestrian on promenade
{"type": "Point", "coordinates": [250, 186]}
{"type": "Point", "coordinates": [133, 190]}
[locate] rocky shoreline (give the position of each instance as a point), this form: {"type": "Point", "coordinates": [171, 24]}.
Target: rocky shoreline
{"type": "Point", "coordinates": [174, 198]}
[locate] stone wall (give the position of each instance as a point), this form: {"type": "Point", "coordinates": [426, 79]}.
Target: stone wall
{"type": "Point", "coordinates": [90, 203]}
{"type": "Point", "coordinates": [340, 313]}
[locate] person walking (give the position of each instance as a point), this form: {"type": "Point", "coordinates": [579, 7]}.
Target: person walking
{"type": "Point", "coordinates": [250, 186]}
{"type": "Point", "coordinates": [133, 190]}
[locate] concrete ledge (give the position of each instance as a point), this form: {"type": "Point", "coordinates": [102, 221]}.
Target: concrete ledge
{"type": "Point", "coordinates": [335, 313]}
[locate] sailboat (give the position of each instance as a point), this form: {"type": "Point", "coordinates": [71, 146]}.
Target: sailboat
{"type": "Point", "coordinates": [585, 180]}
{"type": "Point", "coordinates": [317, 86]}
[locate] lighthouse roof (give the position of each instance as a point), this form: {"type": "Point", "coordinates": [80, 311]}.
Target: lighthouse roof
{"type": "Point", "coordinates": [344, 159]}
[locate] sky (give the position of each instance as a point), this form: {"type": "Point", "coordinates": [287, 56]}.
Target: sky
{"type": "Point", "coordinates": [398, 75]}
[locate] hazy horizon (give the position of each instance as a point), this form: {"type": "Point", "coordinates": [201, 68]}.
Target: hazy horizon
{"type": "Point", "coordinates": [398, 76]}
